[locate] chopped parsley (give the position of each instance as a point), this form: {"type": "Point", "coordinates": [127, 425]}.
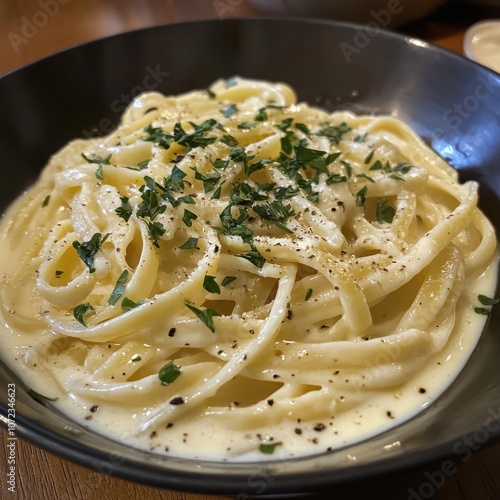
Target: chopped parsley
{"type": "Point", "coordinates": [210, 94]}
{"type": "Point", "coordinates": [79, 312]}
{"type": "Point", "coordinates": [360, 138]}
{"type": "Point", "coordinates": [125, 209]}
{"type": "Point", "coordinates": [334, 133]}
{"type": "Point", "coordinates": [88, 249]}
{"type": "Point", "coordinates": [384, 212]}
{"type": "Point", "coordinates": [156, 135]}
{"type": "Point", "coordinates": [119, 288]}
{"type": "Point", "coordinates": [361, 197]}
{"type": "Point", "coordinates": [229, 140]}
{"type": "Point", "coordinates": [156, 231]}
{"type": "Point", "coordinates": [247, 125]}
{"type": "Point", "coordinates": [227, 280]}
{"type": "Point", "coordinates": [277, 212]}
{"type": "Point", "coordinates": [97, 159]}
{"type": "Point", "coordinates": [261, 116]}
{"type": "Point", "coordinates": [46, 201]}
{"type": "Point", "coordinates": [229, 110]}
{"type": "Point", "coordinates": [367, 177]}
{"type": "Point", "coordinates": [210, 285]}
{"type": "Point", "coordinates": [254, 256]}
{"type": "Point", "coordinates": [99, 173]}
{"type": "Point", "coordinates": [143, 165]}
{"type": "Point", "coordinates": [209, 180]}
{"type": "Point", "coordinates": [169, 373]}
{"type": "Point", "coordinates": [188, 217]}
{"type": "Point", "coordinates": [485, 301]}
{"type": "Point", "coordinates": [151, 205]}
{"type": "Point", "coordinates": [369, 157]}
{"type": "Point", "coordinates": [204, 315]}
{"type": "Point", "coordinates": [308, 294]}
{"type": "Point", "coordinates": [128, 304]}
{"type": "Point", "coordinates": [268, 448]}
{"type": "Point", "coordinates": [189, 244]}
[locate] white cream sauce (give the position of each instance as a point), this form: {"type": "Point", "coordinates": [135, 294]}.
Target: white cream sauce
{"type": "Point", "coordinates": [207, 439]}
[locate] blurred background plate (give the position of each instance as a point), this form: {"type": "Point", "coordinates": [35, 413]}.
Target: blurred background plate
{"type": "Point", "coordinates": [388, 14]}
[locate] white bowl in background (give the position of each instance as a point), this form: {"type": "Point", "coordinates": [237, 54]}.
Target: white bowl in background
{"type": "Point", "coordinates": [482, 43]}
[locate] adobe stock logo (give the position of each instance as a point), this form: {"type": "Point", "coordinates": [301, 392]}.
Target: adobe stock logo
{"type": "Point", "coordinates": [31, 27]}
{"type": "Point", "coordinates": [371, 29]}
{"type": "Point", "coordinates": [151, 80]}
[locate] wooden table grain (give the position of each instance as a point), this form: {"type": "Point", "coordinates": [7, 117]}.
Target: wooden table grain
{"type": "Point", "coordinates": [32, 29]}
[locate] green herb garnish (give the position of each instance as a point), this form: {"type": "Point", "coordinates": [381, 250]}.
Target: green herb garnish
{"type": "Point", "coordinates": [80, 311]}
{"type": "Point", "coordinates": [169, 373]}
{"type": "Point", "coordinates": [128, 304]}
{"type": "Point", "coordinates": [125, 209]}
{"type": "Point", "coordinates": [188, 217]}
{"type": "Point", "coordinates": [268, 448]}
{"type": "Point", "coordinates": [204, 315]}
{"type": "Point", "coordinates": [361, 197]}
{"type": "Point", "coordinates": [210, 285]}
{"type": "Point", "coordinates": [189, 244]}
{"type": "Point", "coordinates": [119, 288]}
{"type": "Point", "coordinates": [384, 212]}
{"type": "Point", "coordinates": [97, 159]}
{"type": "Point", "coordinates": [88, 249]}
{"type": "Point", "coordinates": [227, 280]}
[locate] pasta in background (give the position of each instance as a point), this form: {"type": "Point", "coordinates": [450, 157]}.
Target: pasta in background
{"type": "Point", "coordinates": [234, 275]}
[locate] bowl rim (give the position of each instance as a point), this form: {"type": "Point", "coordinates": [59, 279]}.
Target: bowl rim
{"type": "Point", "coordinates": [157, 476]}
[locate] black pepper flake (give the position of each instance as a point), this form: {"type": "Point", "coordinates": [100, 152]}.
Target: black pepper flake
{"type": "Point", "coordinates": [171, 332]}
{"type": "Point", "coordinates": [276, 375]}
{"type": "Point", "coordinates": [289, 314]}
{"type": "Point", "coordinates": [153, 434]}
{"type": "Point", "coordinates": [319, 427]}
{"type": "Point", "coordinates": [170, 424]}
{"type": "Point", "coordinates": [177, 401]}
{"type": "Point", "coordinates": [298, 430]}
{"type": "Point", "coordinates": [88, 417]}
{"type": "Point", "coordinates": [422, 390]}
{"type": "Point", "coordinates": [389, 414]}
{"type": "Point", "coordinates": [94, 408]}
{"type": "Point", "coordinates": [270, 402]}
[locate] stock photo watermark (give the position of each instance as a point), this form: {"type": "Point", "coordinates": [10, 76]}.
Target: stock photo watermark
{"type": "Point", "coordinates": [362, 38]}
{"type": "Point", "coordinates": [11, 441]}
{"type": "Point", "coordinates": [463, 449]}
{"type": "Point", "coordinates": [152, 78]}
{"type": "Point", "coordinates": [31, 26]}
{"type": "Point", "coordinates": [454, 116]}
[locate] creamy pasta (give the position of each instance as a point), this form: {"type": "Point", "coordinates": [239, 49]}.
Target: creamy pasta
{"type": "Point", "coordinates": [234, 275]}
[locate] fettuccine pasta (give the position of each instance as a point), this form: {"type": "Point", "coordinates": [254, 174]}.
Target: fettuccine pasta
{"type": "Point", "coordinates": [232, 274]}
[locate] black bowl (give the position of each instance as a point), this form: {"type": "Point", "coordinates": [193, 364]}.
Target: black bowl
{"type": "Point", "coordinates": [453, 103]}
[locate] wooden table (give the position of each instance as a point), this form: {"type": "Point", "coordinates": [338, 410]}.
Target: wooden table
{"type": "Point", "coordinates": [41, 475]}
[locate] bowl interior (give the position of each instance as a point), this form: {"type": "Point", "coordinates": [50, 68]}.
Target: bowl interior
{"type": "Point", "coordinates": [453, 103]}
